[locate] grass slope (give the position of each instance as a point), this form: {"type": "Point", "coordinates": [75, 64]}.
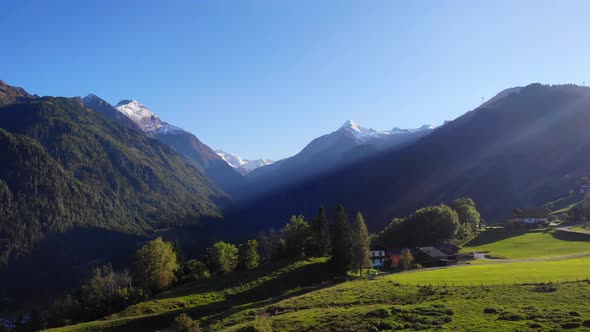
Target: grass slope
{"type": "Point", "coordinates": [294, 296]}
{"type": "Point", "coordinates": [534, 244]}
{"type": "Point", "coordinates": [373, 305]}
{"type": "Point", "coordinates": [564, 204]}
{"type": "Point", "coordinates": [218, 297]}
{"type": "Point", "coordinates": [501, 273]}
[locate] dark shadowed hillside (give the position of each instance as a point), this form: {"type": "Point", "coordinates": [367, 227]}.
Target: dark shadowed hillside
{"type": "Point", "coordinates": [521, 150]}
{"type": "Point", "coordinates": [66, 166]}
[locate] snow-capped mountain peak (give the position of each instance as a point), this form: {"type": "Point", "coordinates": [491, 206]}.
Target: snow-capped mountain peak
{"type": "Point", "coordinates": [358, 131]}
{"type": "Point", "coordinates": [147, 120]}
{"type": "Point", "coordinates": [243, 166]}
{"type": "Point", "coordinates": [365, 134]}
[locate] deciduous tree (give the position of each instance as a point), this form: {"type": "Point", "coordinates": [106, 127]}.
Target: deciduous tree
{"type": "Point", "coordinates": [222, 257]}
{"type": "Point", "coordinates": [155, 264]}
{"type": "Point", "coordinates": [248, 257]}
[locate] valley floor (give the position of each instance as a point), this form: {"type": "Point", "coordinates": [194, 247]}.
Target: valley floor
{"type": "Point", "coordinates": [540, 290]}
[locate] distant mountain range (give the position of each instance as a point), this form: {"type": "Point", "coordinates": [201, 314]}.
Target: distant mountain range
{"type": "Point", "coordinates": [345, 146]}
{"type": "Point", "coordinates": [523, 148]}
{"type": "Point", "coordinates": [243, 166]}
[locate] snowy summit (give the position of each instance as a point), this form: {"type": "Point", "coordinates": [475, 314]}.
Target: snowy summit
{"type": "Point", "coordinates": [364, 133]}
{"type": "Point", "coordinates": [147, 120]}
{"type": "Point", "coordinates": [243, 166]}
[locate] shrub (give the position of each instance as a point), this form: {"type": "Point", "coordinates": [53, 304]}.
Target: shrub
{"type": "Point", "coordinates": [490, 311]}
{"type": "Point", "coordinates": [512, 316]}
{"type": "Point", "coordinates": [184, 323]}
{"type": "Point", "coordinates": [586, 323]}
{"type": "Point", "coordinates": [378, 313]}
{"type": "Point", "coordinates": [194, 270]}
{"type": "Point", "coordinates": [570, 325]}
{"type": "Point", "coordinates": [535, 326]}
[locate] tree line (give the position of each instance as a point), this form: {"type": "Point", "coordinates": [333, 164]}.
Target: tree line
{"type": "Point", "coordinates": [159, 265]}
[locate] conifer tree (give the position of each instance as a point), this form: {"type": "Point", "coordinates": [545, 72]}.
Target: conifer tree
{"type": "Point", "coordinates": [321, 234]}
{"type": "Point", "coordinates": [360, 250]}
{"type": "Point", "coordinates": [341, 241]}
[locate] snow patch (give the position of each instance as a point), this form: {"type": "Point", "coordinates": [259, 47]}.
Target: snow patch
{"type": "Point", "coordinates": [243, 164]}
{"type": "Point", "coordinates": [365, 134]}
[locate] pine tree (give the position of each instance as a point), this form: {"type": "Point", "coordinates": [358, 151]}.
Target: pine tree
{"type": "Point", "coordinates": [321, 234]}
{"type": "Point", "coordinates": [341, 240]}
{"type": "Point", "coordinates": [360, 250]}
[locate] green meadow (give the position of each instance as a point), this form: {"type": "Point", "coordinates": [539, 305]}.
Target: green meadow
{"type": "Point", "coordinates": [545, 293]}
{"type": "Point", "coordinates": [501, 273]}
{"type": "Point", "coordinates": [544, 243]}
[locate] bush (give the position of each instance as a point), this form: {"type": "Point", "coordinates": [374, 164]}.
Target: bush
{"type": "Point", "coordinates": [378, 313]}
{"type": "Point", "coordinates": [535, 326]}
{"type": "Point", "coordinates": [184, 323]}
{"type": "Point", "coordinates": [570, 325]}
{"type": "Point", "coordinates": [586, 323]}
{"type": "Point", "coordinates": [490, 311]}
{"type": "Point", "coordinates": [193, 270]}
{"type": "Point", "coordinates": [512, 316]}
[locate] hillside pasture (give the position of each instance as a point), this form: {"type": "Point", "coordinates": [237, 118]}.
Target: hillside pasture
{"type": "Point", "coordinates": [542, 243]}
{"type": "Point", "coordinates": [500, 273]}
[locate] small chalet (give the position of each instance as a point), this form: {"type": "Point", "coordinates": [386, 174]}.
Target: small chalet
{"type": "Point", "coordinates": [378, 256]}
{"type": "Point", "coordinates": [431, 256]}
{"type": "Point", "coordinates": [584, 188]}
{"type": "Point", "coordinates": [531, 216]}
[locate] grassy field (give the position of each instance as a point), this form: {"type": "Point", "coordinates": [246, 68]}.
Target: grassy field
{"type": "Point", "coordinates": [217, 297]}
{"type": "Point", "coordinates": [376, 305]}
{"type": "Point", "coordinates": [565, 204]}
{"type": "Point", "coordinates": [581, 229]}
{"type": "Point", "coordinates": [501, 273]}
{"type": "Point", "coordinates": [305, 296]}
{"type": "Point", "coordinates": [533, 244]}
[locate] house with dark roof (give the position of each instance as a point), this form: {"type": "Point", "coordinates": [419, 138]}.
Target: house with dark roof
{"type": "Point", "coordinates": [531, 215]}
{"type": "Point", "coordinates": [431, 256]}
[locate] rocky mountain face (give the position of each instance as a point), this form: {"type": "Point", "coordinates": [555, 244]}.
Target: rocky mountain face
{"type": "Point", "coordinates": [185, 143]}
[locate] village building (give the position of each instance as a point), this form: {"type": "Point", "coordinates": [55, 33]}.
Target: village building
{"type": "Point", "coordinates": [584, 188]}
{"type": "Point", "coordinates": [378, 256]}
{"type": "Point", "coordinates": [531, 216]}
{"type": "Point", "coordinates": [431, 256]}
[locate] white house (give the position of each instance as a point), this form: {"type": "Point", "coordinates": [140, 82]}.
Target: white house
{"type": "Point", "coordinates": [378, 257]}
{"type": "Point", "coordinates": [531, 216]}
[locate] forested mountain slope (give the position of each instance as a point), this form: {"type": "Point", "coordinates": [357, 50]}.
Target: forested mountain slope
{"type": "Point", "coordinates": [66, 166]}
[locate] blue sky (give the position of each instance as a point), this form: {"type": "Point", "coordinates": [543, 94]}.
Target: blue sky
{"type": "Point", "coordinates": [262, 78]}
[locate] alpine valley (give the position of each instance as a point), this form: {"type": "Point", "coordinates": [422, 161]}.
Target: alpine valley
{"type": "Point", "coordinates": [85, 183]}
